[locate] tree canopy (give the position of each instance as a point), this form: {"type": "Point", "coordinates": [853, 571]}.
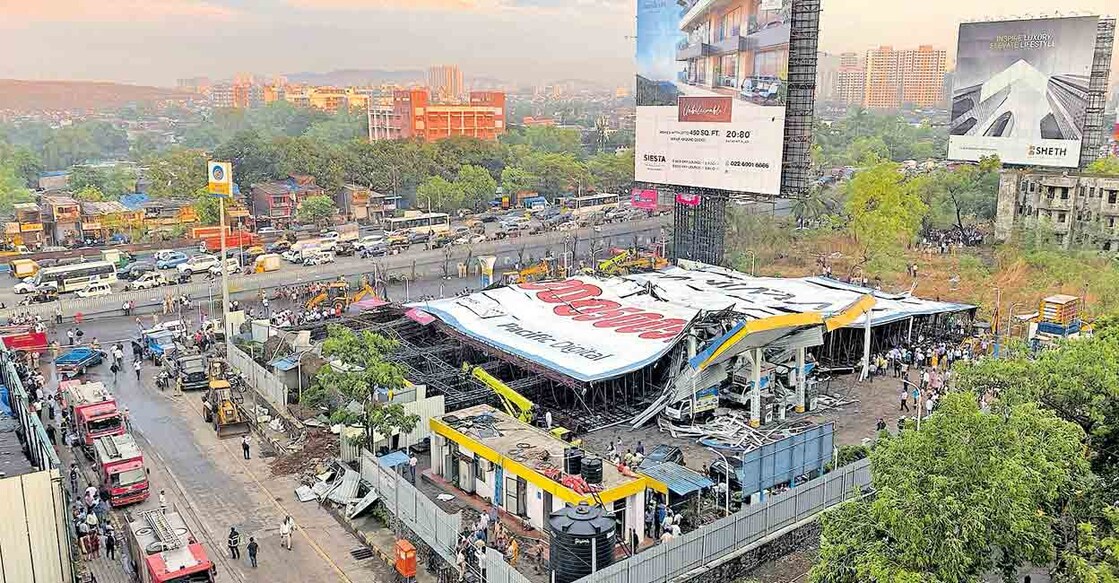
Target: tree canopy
{"type": "Point", "coordinates": [316, 209]}
{"type": "Point", "coordinates": [883, 208]}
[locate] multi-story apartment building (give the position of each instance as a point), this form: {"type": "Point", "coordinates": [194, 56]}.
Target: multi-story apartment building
{"type": "Point", "coordinates": [276, 203]}
{"type": "Point", "coordinates": [445, 82]}
{"type": "Point", "coordinates": [62, 217]}
{"type": "Point", "coordinates": [732, 43]}
{"type": "Point", "coordinates": [221, 95]}
{"type": "Point", "coordinates": [360, 203]}
{"type": "Point", "coordinates": [922, 76]}
{"type": "Point", "coordinates": [1080, 209]}
{"type": "Point", "coordinates": [850, 79]}
{"type": "Point", "coordinates": [827, 77]}
{"type": "Point", "coordinates": [412, 114]}
{"type": "Point", "coordinates": [913, 77]}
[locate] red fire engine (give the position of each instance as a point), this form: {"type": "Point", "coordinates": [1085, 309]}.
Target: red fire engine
{"type": "Point", "coordinates": [120, 465]}
{"type": "Point", "coordinates": [165, 551]}
{"type": "Point", "coordinates": [93, 411]}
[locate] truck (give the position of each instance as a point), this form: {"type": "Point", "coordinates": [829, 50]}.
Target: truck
{"type": "Point", "coordinates": [77, 360]}
{"type": "Point", "coordinates": [346, 232]}
{"type": "Point", "coordinates": [191, 373]}
{"type": "Point", "coordinates": [705, 401]}
{"type": "Point", "coordinates": [164, 550]}
{"type": "Point", "coordinates": [156, 344]}
{"type": "Point", "coordinates": [23, 338]}
{"type": "Point", "coordinates": [120, 467]}
{"type": "Point", "coordinates": [93, 411]}
{"type": "Point", "coordinates": [212, 244]}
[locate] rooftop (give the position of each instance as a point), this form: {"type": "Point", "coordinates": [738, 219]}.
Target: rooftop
{"type": "Point", "coordinates": [524, 449]}
{"type": "Point", "coordinates": [12, 461]}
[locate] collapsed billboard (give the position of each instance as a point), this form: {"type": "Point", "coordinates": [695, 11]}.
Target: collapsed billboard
{"type": "Point", "coordinates": [586, 328]}
{"type": "Point", "coordinates": [711, 88]}
{"type": "Point", "coordinates": [1021, 90]}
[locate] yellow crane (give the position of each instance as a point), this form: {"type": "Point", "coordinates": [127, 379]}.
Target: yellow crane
{"type": "Point", "coordinates": [626, 261]}
{"type": "Point", "coordinates": [547, 268]}
{"type": "Point", "coordinates": [516, 405]}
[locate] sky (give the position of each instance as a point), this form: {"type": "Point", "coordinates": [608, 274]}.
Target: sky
{"type": "Point", "coordinates": [154, 42]}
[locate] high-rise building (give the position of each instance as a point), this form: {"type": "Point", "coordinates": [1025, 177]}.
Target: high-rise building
{"type": "Point", "coordinates": [221, 95]}
{"type": "Point", "coordinates": [827, 77]}
{"type": "Point", "coordinates": [411, 114]}
{"type": "Point", "coordinates": [922, 76]}
{"type": "Point", "coordinates": [445, 82]}
{"type": "Point", "coordinates": [913, 77]}
{"type": "Point", "coordinates": [850, 79]}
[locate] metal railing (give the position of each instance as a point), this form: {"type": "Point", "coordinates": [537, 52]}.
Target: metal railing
{"type": "Point", "coordinates": [705, 547]}
{"type": "Point", "coordinates": [42, 452]}
{"type": "Point", "coordinates": [435, 527]}
{"type": "Point", "coordinates": [498, 571]}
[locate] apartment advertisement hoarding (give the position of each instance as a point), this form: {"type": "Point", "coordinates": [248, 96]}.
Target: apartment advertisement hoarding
{"type": "Point", "coordinates": [711, 88]}
{"type": "Point", "coordinates": [1021, 90]}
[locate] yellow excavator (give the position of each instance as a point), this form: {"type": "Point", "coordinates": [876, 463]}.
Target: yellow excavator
{"type": "Point", "coordinates": [221, 406]}
{"type": "Point", "coordinates": [548, 268]}
{"type": "Point", "coordinates": [338, 294]}
{"type": "Point", "coordinates": [516, 405]}
{"type": "Point", "coordinates": [627, 261]}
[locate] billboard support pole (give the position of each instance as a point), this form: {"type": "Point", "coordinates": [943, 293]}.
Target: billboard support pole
{"type": "Point", "coordinates": [800, 379]}
{"type": "Point", "coordinates": [756, 393]}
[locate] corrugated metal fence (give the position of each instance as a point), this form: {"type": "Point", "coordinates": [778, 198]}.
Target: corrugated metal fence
{"type": "Point", "coordinates": [267, 384]}
{"type": "Point", "coordinates": [752, 525]}
{"type": "Point", "coordinates": [437, 528]}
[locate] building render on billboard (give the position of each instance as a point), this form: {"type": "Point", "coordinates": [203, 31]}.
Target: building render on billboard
{"type": "Point", "coordinates": [1021, 90]}
{"type": "Point", "coordinates": [711, 89]}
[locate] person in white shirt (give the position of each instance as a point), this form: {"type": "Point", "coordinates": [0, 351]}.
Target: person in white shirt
{"type": "Point", "coordinates": [286, 528]}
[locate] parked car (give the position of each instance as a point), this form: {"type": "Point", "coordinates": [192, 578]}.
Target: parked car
{"type": "Point", "coordinates": [95, 290]}
{"type": "Point", "coordinates": [344, 249]}
{"type": "Point", "coordinates": [172, 260]}
{"type": "Point", "coordinates": [369, 240]}
{"type": "Point", "coordinates": [149, 280]}
{"type": "Point", "coordinates": [25, 286]}
{"type": "Point", "coordinates": [568, 226]}
{"type": "Point", "coordinates": [135, 270]}
{"type": "Point", "coordinates": [419, 236]}
{"type": "Point", "coordinates": [470, 239]}
{"type": "Point", "coordinates": [375, 250]}
{"type": "Point", "coordinates": [267, 231]}
{"type": "Point", "coordinates": [198, 264]}
{"type": "Point", "coordinates": [319, 258]}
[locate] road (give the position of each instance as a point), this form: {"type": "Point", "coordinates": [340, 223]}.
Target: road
{"type": "Point", "coordinates": [207, 480]}
{"type": "Point", "coordinates": [415, 263]}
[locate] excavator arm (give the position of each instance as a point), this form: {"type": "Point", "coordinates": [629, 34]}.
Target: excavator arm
{"type": "Point", "coordinates": [612, 265]}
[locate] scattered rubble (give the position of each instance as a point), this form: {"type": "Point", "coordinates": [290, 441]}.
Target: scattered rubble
{"type": "Point", "coordinates": [318, 449]}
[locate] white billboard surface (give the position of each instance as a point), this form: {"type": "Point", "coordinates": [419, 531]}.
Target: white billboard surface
{"type": "Point", "coordinates": [586, 328]}
{"type": "Point", "coordinates": [711, 99]}
{"type": "Point", "coordinates": [1021, 90]}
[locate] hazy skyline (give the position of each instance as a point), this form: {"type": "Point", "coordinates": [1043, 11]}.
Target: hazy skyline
{"type": "Point", "coordinates": [154, 42]}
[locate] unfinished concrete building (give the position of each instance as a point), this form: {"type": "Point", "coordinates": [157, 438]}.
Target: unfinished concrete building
{"type": "Point", "coordinates": [1079, 209]}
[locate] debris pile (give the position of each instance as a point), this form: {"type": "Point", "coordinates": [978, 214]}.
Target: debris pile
{"type": "Point", "coordinates": [733, 431]}
{"type": "Point", "coordinates": [319, 448]}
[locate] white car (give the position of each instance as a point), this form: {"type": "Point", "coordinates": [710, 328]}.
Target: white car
{"type": "Point", "coordinates": [470, 238]}
{"type": "Point", "coordinates": [369, 241]}
{"type": "Point", "coordinates": [331, 236]}
{"type": "Point", "coordinates": [149, 280]}
{"type": "Point", "coordinates": [267, 231]}
{"type": "Point", "coordinates": [95, 290]}
{"type": "Point", "coordinates": [198, 264]}
{"type": "Point", "coordinates": [568, 226]}
{"type": "Point", "coordinates": [320, 258]}
{"type": "Point", "coordinates": [25, 286]}
{"type": "Point", "coordinates": [232, 265]}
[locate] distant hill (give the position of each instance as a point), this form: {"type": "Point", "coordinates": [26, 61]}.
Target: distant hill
{"type": "Point", "coordinates": [33, 96]}
{"type": "Point", "coordinates": [358, 77]}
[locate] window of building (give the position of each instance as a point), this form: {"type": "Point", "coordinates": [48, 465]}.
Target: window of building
{"type": "Point", "coordinates": [480, 470]}
{"type": "Point", "coordinates": [1061, 217]}
{"type": "Point", "coordinates": [730, 25]}
{"type": "Point", "coordinates": [729, 71]}
{"type": "Point", "coordinates": [1111, 196]}
{"type": "Point", "coordinates": [1092, 192]}
{"type": "Point", "coordinates": [1110, 222]}
{"type": "Point", "coordinates": [1060, 239]}
{"type": "Point", "coordinates": [770, 63]}
{"type": "Point", "coordinates": [1064, 194]}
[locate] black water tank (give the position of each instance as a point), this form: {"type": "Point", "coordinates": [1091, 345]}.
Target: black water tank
{"type": "Point", "coordinates": [572, 461]}
{"type": "Point", "coordinates": [592, 470]}
{"type": "Point", "coordinates": [583, 539]}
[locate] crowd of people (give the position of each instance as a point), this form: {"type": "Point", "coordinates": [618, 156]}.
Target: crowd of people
{"type": "Point", "coordinates": [944, 241]}
{"type": "Point", "coordinates": [89, 518]}
{"type": "Point", "coordinates": [487, 531]}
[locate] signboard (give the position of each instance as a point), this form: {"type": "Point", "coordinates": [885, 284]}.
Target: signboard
{"type": "Point", "coordinates": [220, 176]}
{"type": "Point", "coordinates": [782, 461]}
{"type": "Point", "coordinates": [1021, 90]}
{"type": "Point", "coordinates": [586, 328]}
{"type": "Point", "coordinates": [643, 199]}
{"type": "Point", "coordinates": [711, 88]}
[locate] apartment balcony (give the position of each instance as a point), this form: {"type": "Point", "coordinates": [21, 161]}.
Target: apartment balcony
{"type": "Point", "coordinates": [733, 43]}
{"type": "Point", "coordinates": [770, 36]}
{"type": "Point", "coordinates": [686, 51]}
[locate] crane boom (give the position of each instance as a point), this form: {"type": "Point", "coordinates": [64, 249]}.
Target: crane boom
{"type": "Point", "coordinates": [516, 404]}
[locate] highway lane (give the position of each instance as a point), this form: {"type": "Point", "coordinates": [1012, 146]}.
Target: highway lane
{"type": "Point", "coordinates": [415, 263]}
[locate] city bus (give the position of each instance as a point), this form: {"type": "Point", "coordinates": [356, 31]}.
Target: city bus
{"type": "Point", "coordinates": [591, 203]}
{"type": "Point", "coordinates": [68, 278]}
{"type": "Point", "coordinates": [416, 222]}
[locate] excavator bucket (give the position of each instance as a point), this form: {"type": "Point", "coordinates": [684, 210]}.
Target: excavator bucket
{"type": "Point", "coordinates": [233, 428]}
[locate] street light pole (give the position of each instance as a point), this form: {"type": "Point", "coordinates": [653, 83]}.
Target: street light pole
{"type": "Point", "coordinates": [224, 279]}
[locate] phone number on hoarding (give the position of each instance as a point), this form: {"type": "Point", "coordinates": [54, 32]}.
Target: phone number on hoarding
{"type": "Point", "coordinates": [745, 164]}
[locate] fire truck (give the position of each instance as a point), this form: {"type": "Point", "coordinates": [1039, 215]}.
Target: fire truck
{"type": "Point", "coordinates": [120, 465]}
{"type": "Point", "coordinates": [23, 338]}
{"type": "Point", "coordinates": [164, 551]}
{"type": "Point", "coordinates": [93, 411]}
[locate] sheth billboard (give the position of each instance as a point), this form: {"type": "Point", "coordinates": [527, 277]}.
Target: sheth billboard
{"type": "Point", "coordinates": [1021, 90]}
{"type": "Point", "coordinates": [711, 91]}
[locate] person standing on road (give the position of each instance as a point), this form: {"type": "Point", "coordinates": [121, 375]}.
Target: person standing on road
{"type": "Point", "coordinates": [70, 336]}
{"type": "Point", "coordinates": [286, 528]}
{"type": "Point", "coordinates": [136, 367]}
{"type": "Point", "coordinates": [412, 461]}
{"type": "Point", "coordinates": [110, 544]}
{"type": "Point", "coordinates": [245, 446]}
{"type": "Point", "coordinates": [234, 542]}
{"type": "Point", "coordinates": [163, 502]}
{"type": "Point", "coordinates": [904, 400]}
{"type": "Point", "coordinates": [252, 551]}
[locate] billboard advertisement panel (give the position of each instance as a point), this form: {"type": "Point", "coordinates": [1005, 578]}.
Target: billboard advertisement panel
{"type": "Point", "coordinates": [1021, 90]}
{"type": "Point", "coordinates": [711, 88]}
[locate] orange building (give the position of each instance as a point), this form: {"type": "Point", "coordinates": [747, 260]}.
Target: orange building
{"type": "Point", "coordinates": [914, 77]}
{"type": "Point", "coordinates": [412, 115]}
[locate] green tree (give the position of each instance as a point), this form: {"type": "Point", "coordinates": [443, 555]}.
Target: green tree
{"type": "Point", "coordinates": [326, 162]}
{"type": "Point", "coordinates": [343, 126]}
{"type": "Point", "coordinates": [515, 179]}
{"type": "Point", "coordinates": [884, 209]}
{"type": "Point", "coordinates": [387, 419]}
{"type": "Point", "coordinates": [112, 182]}
{"type": "Point", "coordinates": [865, 151]}
{"type": "Point", "coordinates": [969, 493]}
{"type": "Point", "coordinates": [477, 186]}
{"type": "Point", "coordinates": [547, 139]}
{"type": "Point", "coordinates": [316, 209]}
{"type": "Point", "coordinates": [364, 366]}
{"type": "Point", "coordinates": [254, 158]}
{"type": "Point", "coordinates": [1107, 166]}
{"type": "Point", "coordinates": [969, 191]}
{"type": "Point", "coordinates": [438, 193]}
{"type": "Point", "coordinates": [611, 172]}
{"type": "Point", "coordinates": [176, 173]}
{"type": "Point", "coordinates": [13, 189]}
{"type": "Point", "coordinates": [90, 193]}
{"type": "Point", "coordinates": [560, 174]}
